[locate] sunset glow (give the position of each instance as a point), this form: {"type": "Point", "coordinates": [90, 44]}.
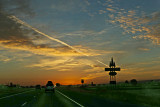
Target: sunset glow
{"type": "Point", "coordinates": [69, 40]}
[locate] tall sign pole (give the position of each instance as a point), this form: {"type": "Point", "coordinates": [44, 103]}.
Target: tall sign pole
{"type": "Point", "coordinates": [112, 68]}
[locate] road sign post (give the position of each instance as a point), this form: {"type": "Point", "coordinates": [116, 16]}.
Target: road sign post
{"type": "Point", "coordinates": [112, 72]}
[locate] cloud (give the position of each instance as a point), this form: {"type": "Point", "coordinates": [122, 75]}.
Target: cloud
{"type": "Point", "coordinates": [16, 56]}
{"type": "Point", "coordinates": [4, 58]}
{"type": "Point", "coordinates": [17, 7]}
{"type": "Point", "coordinates": [14, 36]}
{"type": "Point", "coordinates": [70, 64]}
{"type": "Point", "coordinates": [110, 9]}
{"type": "Point", "coordinates": [65, 63]}
{"type": "Point", "coordinates": [12, 33]}
{"type": "Point", "coordinates": [152, 33]}
{"type": "Point", "coordinates": [144, 49]}
{"type": "Point", "coordinates": [135, 22]}
{"type": "Point", "coordinates": [84, 33]}
{"type": "Point", "coordinates": [49, 51]}
{"type": "Point", "coordinates": [52, 64]}
{"type": "Point", "coordinates": [94, 73]}
{"type": "Point", "coordinates": [19, 38]}
{"type": "Point", "coordinates": [140, 26]}
{"type": "Point", "coordinates": [102, 11]}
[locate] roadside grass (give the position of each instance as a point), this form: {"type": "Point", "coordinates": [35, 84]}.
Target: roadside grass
{"type": "Point", "coordinates": [134, 96]}
{"type": "Point", "coordinates": [139, 94]}
{"type": "Point", "coordinates": [18, 100]}
{"type": "Point", "coordinates": [92, 98]}
{"type": "Point", "coordinates": [5, 91]}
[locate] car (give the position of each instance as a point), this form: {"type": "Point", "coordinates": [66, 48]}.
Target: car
{"type": "Point", "coordinates": [50, 87]}
{"type": "Point", "coordinates": [38, 87]}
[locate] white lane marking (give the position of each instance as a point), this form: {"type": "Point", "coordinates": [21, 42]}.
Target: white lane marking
{"type": "Point", "coordinates": [23, 104]}
{"type": "Point", "coordinates": [70, 98]}
{"type": "Point", "coordinates": [15, 94]}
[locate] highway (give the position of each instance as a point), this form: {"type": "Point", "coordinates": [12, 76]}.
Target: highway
{"type": "Point", "coordinates": [38, 98]}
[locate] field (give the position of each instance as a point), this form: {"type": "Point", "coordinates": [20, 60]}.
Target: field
{"type": "Point", "coordinates": [4, 90]}
{"type": "Point", "coordinates": [120, 95]}
{"type": "Point", "coordinates": [138, 95]}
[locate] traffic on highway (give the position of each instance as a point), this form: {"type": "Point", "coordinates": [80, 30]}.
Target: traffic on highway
{"type": "Point", "coordinates": [37, 97]}
{"type": "Point", "coordinates": [51, 95]}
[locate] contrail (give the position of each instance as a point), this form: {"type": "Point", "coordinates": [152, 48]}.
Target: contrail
{"type": "Point", "coordinates": [101, 62]}
{"type": "Point", "coordinates": [54, 39]}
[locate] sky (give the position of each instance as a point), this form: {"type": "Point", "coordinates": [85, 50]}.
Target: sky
{"type": "Point", "coordinates": [68, 40]}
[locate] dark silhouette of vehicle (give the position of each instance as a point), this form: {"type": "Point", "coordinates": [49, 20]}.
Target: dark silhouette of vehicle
{"type": "Point", "coordinates": [49, 87]}
{"type": "Point", "coordinates": [38, 87]}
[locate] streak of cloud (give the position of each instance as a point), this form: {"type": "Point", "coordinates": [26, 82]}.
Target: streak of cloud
{"type": "Point", "coordinates": [54, 39]}
{"type": "Point", "coordinates": [15, 37]}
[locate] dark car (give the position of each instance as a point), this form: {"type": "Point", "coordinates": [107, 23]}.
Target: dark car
{"type": "Point", "coordinates": [49, 87]}
{"type": "Point", "coordinates": [38, 87]}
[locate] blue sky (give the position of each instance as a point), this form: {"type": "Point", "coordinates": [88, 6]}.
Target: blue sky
{"type": "Point", "coordinates": [127, 30]}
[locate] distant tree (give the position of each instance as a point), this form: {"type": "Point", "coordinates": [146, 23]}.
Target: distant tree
{"type": "Point", "coordinates": [82, 81]}
{"type": "Point", "coordinates": [133, 82]}
{"type": "Point", "coordinates": [69, 85]}
{"type": "Point", "coordinates": [43, 86]}
{"type": "Point", "coordinates": [33, 86]}
{"type": "Point", "coordinates": [37, 86]}
{"type": "Point", "coordinates": [126, 81]}
{"type": "Point", "coordinates": [58, 84]}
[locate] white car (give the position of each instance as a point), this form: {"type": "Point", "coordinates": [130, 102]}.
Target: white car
{"type": "Point", "coordinates": [49, 87]}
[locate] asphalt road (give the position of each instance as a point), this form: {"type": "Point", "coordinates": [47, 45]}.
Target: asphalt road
{"type": "Point", "coordinates": [38, 98]}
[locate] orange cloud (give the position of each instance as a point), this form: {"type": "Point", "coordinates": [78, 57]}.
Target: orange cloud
{"type": "Point", "coordinates": [4, 58]}
{"type": "Point", "coordinates": [102, 11]}
{"type": "Point", "coordinates": [144, 49]}
{"type": "Point", "coordinates": [110, 9]}
{"type": "Point", "coordinates": [147, 26]}
{"type": "Point", "coordinates": [49, 51]}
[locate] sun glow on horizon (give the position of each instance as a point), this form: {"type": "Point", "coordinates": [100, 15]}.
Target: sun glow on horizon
{"type": "Point", "coordinates": [48, 40]}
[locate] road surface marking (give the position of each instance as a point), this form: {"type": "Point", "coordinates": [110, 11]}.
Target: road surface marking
{"type": "Point", "coordinates": [15, 94]}
{"type": "Point", "coordinates": [23, 104]}
{"type": "Point", "coordinates": [70, 98]}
